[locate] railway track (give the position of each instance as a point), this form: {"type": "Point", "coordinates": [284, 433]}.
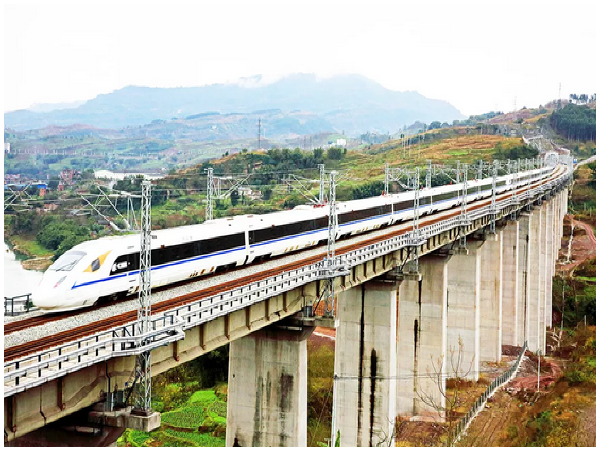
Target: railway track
{"type": "Point", "coordinates": [21, 350]}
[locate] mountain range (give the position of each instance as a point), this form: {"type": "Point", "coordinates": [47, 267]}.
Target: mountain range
{"type": "Point", "coordinates": [351, 104]}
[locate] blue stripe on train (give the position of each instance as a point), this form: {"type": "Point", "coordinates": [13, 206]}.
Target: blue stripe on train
{"type": "Point", "coordinates": [176, 263]}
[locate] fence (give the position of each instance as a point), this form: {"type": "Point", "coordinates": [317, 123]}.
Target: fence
{"type": "Point", "coordinates": [464, 423]}
{"type": "Point", "coordinates": [20, 304]}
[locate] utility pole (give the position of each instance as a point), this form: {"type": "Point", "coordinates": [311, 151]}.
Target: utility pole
{"type": "Point", "coordinates": [479, 177]}
{"type": "Point", "coordinates": [333, 225]}
{"type": "Point", "coordinates": [333, 428]}
{"type": "Point", "coordinates": [493, 206]}
{"type": "Point", "coordinates": [210, 184]}
{"type": "Point", "coordinates": [514, 169]}
{"type": "Point", "coordinates": [539, 355]}
{"type": "Point", "coordinates": [321, 183]}
{"type": "Point", "coordinates": [330, 282]}
{"type": "Point", "coordinates": [386, 183]}
{"type": "Point", "coordinates": [143, 363]}
{"type": "Point", "coordinates": [428, 175]}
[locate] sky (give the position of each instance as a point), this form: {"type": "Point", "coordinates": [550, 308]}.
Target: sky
{"type": "Point", "coordinates": [477, 55]}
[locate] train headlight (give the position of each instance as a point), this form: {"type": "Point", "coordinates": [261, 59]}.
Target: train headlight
{"type": "Point", "coordinates": [59, 281]}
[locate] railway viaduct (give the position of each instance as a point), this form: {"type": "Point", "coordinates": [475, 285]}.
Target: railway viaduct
{"type": "Point", "coordinates": [391, 327]}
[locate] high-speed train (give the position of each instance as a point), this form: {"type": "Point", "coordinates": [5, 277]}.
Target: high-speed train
{"type": "Point", "coordinates": [109, 267]}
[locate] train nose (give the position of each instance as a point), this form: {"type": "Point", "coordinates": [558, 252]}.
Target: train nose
{"type": "Point", "coordinates": [47, 292]}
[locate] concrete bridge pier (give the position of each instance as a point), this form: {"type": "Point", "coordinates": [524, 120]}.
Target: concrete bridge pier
{"type": "Point", "coordinates": [365, 363]}
{"type": "Point", "coordinates": [551, 245]}
{"type": "Point", "coordinates": [559, 223]}
{"type": "Point", "coordinates": [534, 282]}
{"type": "Point", "coordinates": [492, 278]}
{"type": "Point", "coordinates": [464, 312]}
{"type": "Point", "coordinates": [545, 262]}
{"type": "Point", "coordinates": [512, 312]}
{"type": "Point", "coordinates": [422, 340]}
{"type": "Point", "coordinates": [524, 243]}
{"type": "Point", "coordinates": [267, 394]}
{"type": "Point", "coordinates": [555, 233]}
{"type": "Point", "coordinates": [550, 261]}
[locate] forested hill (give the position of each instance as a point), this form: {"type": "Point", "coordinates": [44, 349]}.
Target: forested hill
{"type": "Point", "coordinates": [350, 103]}
{"type": "Point", "coordinates": [577, 122]}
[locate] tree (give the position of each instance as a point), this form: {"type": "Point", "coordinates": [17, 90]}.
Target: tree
{"type": "Point", "coordinates": [367, 190]}
{"type": "Point", "coordinates": [334, 153]}
{"type": "Point", "coordinates": [266, 194]}
{"type": "Point", "coordinates": [443, 402]}
{"type": "Point", "coordinates": [235, 196]}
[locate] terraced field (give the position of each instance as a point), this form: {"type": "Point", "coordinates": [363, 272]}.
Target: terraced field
{"type": "Point", "coordinates": [199, 422]}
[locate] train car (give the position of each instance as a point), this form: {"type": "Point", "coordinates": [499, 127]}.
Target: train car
{"type": "Point", "coordinates": [109, 267]}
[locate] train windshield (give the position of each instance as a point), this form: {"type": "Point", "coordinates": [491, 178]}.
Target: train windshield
{"type": "Point", "coordinates": [67, 261]}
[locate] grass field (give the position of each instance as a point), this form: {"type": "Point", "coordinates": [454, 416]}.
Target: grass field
{"type": "Point", "coordinates": [29, 245]}
{"type": "Point", "coordinates": [467, 148]}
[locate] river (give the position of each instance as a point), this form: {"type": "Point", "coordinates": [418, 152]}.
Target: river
{"type": "Point", "coordinates": [18, 281]}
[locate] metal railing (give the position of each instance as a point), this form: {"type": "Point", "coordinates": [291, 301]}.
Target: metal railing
{"type": "Point", "coordinates": [464, 423]}
{"type": "Point", "coordinates": [32, 370]}
{"type": "Point", "coordinates": [19, 304]}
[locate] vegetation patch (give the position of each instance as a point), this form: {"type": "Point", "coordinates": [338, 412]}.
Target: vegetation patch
{"type": "Point", "coordinates": [320, 389]}
{"type": "Point", "coordinates": [187, 417]}
{"type": "Point", "coordinates": [29, 246]}
{"type": "Point", "coordinates": [196, 439]}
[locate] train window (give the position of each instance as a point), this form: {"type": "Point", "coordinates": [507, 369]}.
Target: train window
{"type": "Point", "coordinates": [446, 196]}
{"type": "Point", "coordinates": [222, 243]}
{"type": "Point", "coordinates": [291, 229]}
{"type": "Point", "coordinates": [401, 206]}
{"type": "Point", "coordinates": [425, 200]}
{"type": "Point", "coordinates": [362, 214]}
{"type": "Point", "coordinates": [322, 222]}
{"type": "Point", "coordinates": [120, 265]}
{"type": "Point", "coordinates": [67, 261]}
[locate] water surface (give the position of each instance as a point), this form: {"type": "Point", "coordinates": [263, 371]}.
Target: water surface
{"type": "Point", "coordinates": [18, 281]}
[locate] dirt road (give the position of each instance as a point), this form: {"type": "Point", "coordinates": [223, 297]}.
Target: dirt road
{"type": "Point", "coordinates": [583, 247]}
{"type": "Point", "coordinates": [589, 230]}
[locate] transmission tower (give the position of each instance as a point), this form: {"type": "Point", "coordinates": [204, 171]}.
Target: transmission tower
{"type": "Point", "coordinates": [143, 363]}
{"type": "Point", "coordinates": [259, 133]}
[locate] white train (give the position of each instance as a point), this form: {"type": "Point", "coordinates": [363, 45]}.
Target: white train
{"type": "Point", "coordinates": [109, 267]}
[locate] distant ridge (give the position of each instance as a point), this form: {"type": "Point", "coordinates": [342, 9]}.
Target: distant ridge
{"type": "Point", "coordinates": [350, 103]}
